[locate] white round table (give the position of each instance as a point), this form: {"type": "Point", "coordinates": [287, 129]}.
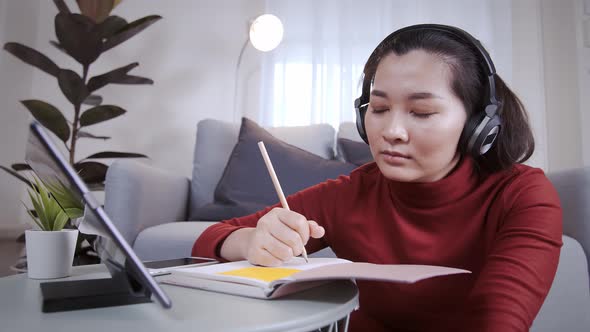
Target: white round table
{"type": "Point", "coordinates": [324, 308]}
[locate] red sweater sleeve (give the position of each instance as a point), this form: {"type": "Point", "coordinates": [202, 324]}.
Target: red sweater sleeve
{"type": "Point", "coordinates": [307, 202]}
{"type": "Point", "coordinates": [522, 261]}
{"type": "Point", "coordinates": [210, 241]}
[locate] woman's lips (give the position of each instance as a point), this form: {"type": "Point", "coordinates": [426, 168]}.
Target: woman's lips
{"type": "Point", "coordinates": [394, 158]}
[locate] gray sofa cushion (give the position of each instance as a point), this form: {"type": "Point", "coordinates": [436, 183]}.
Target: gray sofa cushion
{"type": "Point", "coordinates": [216, 139]}
{"type": "Point", "coordinates": [354, 152]}
{"type": "Point", "coordinates": [346, 130]}
{"type": "Point", "coordinates": [169, 240]}
{"type": "Point", "coordinates": [246, 187]}
{"type": "Point", "coordinates": [226, 210]}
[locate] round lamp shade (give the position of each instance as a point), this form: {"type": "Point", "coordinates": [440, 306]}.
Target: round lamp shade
{"type": "Point", "coordinates": [266, 32]}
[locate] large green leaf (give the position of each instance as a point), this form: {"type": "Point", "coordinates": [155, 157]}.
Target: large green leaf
{"type": "Point", "coordinates": [99, 114]}
{"type": "Point", "coordinates": [129, 31]}
{"type": "Point", "coordinates": [84, 134]}
{"type": "Point", "coordinates": [49, 116]}
{"type": "Point", "coordinates": [114, 154]}
{"type": "Point", "coordinates": [110, 26]}
{"type": "Point", "coordinates": [72, 86]}
{"type": "Point", "coordinates": [91, 171]}
{"type": "Point", "coordinates": [79, 37]}
{"type": "Point", "coordinates": [93, 100]}
{"type": "Point", "coordinates": [32, 57]}
{"type": "Point", "coordinates": [118, 76]}
{"type": "Point", "coordinates": [96, 10]}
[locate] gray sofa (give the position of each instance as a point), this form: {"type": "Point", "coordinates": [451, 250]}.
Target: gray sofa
{"type": "Point", "coordinates": [150, 208]}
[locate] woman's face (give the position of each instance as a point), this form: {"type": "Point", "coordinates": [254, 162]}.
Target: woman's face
{"type": "Point", "coordinates": [414, 121]}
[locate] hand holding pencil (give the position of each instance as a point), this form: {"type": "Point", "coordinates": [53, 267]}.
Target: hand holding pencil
{"type": "Point", "coordinates": [282, 230]}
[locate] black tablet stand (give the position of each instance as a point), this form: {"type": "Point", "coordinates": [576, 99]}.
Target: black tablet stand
{"type": "Point", "coordinates": [121, 289]}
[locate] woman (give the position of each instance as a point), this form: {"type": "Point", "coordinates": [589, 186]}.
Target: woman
{"type": "Point", "coordinates": [447, 188]}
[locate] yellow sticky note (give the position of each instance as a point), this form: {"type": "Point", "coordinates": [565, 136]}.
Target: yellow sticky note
{"type": "Point", "coordinates": [262, 273]}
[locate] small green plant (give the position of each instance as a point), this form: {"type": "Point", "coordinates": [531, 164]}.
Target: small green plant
{"type": "Point", "coordinates": [48, 215]}
{"type": "Point", "coordinates": [69, 202]}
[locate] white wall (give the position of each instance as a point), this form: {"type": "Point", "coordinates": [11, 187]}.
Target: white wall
{"type": "Point", "coordinates": [528, 76]}
{"type": "Point", "coordinates": [552, 77]}
{"type": "Point", "coordinates": [190, 54]}
{"type": "Point", "coordinates": [582, 14]}
{"type": "Point", "coordinates": [561, 84]}
{"type": "Point", "coordinates": [18, 21]}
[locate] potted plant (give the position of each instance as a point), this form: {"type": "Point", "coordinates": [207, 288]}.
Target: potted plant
{"type": "Point", "coordinates": [84, 37]}
{"type": "Point", "coordinates": [49, 246]}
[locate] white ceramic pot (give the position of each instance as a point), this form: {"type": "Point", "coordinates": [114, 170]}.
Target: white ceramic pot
{"type": "Point", "coordinates": [50, 253]}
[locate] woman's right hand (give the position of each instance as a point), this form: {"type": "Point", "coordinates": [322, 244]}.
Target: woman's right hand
{"type": "Point", "coordinates": [279, 236]}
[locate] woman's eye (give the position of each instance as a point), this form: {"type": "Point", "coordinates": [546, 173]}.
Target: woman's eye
{"type": "Point", "coordinates": [422, 115]}
{"type": "Point", "coordinates": [379, 110]}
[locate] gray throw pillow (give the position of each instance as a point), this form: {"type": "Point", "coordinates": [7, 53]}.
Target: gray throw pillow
{"type": "Point", "coordinates": [245, 186]}
{"type": "Point", "coordinates": [357, 153]}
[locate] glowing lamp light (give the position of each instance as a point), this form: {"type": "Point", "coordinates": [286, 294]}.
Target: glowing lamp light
{"type": "Point", "coordinates": [266, 32]}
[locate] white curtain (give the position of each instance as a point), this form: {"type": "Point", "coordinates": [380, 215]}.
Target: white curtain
{"type": "Point", "coordinates": [314, 75]}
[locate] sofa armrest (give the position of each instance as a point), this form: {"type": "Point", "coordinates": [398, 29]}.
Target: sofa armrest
{"type": "Point", "coordinates": [568, 302]}
{"type": "Point", "coordinates": [138, 196]}
{"type": "Point", "coordinates": [170, 240]}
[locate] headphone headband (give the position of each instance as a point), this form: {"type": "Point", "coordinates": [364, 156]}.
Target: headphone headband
{"type": "Point", "coordinates": [457, 32]}
{"type": "Point", "coordinates": [468, 39]}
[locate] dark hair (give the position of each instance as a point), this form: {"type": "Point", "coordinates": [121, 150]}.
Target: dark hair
{"type": "Point", "coordinates": [515, 142]}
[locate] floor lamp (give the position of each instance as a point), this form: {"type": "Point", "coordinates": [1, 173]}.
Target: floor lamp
{"type": "Point", "coordinates": [266, 33]}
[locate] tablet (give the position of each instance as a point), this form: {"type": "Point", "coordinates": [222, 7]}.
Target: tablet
{"type": "Point", "coordinates": [50, 165]}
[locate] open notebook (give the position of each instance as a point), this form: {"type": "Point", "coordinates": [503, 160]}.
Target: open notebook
{"type": "Point", "coordinates": [243, 278]}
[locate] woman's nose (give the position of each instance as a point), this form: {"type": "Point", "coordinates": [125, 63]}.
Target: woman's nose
{"type": "Point", "coordinates": [395, 130]}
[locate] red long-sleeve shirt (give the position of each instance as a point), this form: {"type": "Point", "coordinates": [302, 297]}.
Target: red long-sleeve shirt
{"type": "Point", "coordinates": [506, 228]}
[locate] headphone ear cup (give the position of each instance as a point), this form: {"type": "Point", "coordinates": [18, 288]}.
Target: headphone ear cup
{"type": "Point", "coordinates": [487, 137]}
{"type": "Point", "coordinates": [468, 131]}
{"type": "Point", "coordinates": [481, 131]}
{"type": "Point", "coordinates": [360, 119]}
